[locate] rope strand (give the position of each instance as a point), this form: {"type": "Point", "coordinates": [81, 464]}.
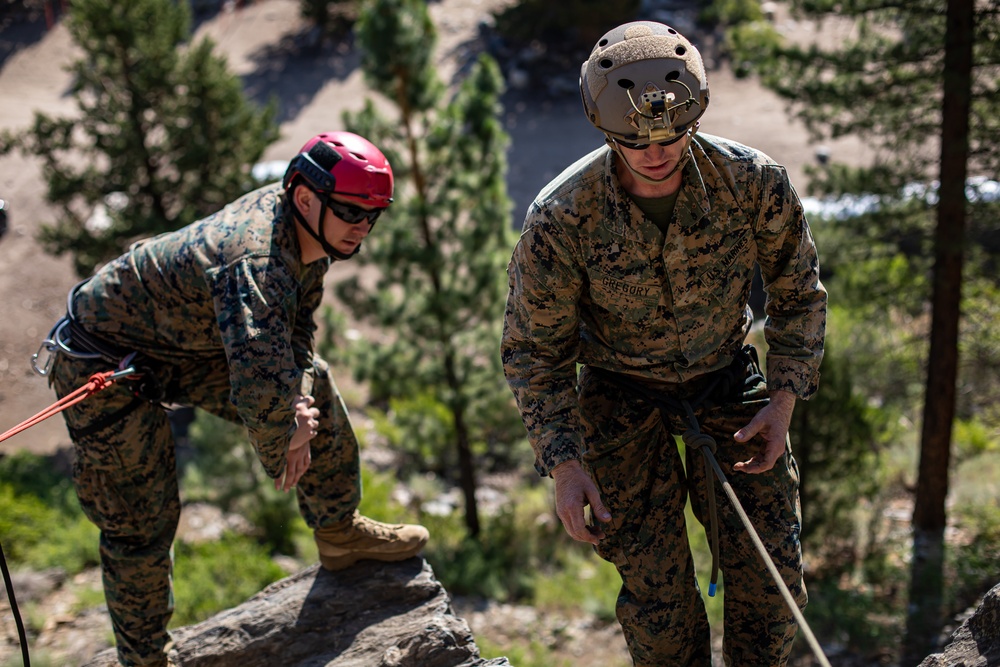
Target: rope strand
{"type": "Point", "coordinates": [97, 382]}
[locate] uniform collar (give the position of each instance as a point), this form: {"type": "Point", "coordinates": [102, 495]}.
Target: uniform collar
{"type": "Point", "coordinates": [692, 205]}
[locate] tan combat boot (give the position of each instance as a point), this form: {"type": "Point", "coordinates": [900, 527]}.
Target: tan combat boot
{"type": "Point", "coordinates": [359, 538]}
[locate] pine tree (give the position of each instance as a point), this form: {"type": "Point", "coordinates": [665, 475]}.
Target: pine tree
{"type": "Point", "coordinates": [919, 81]}
{"type": "Point", "coordinates": [162, 137]}
{"type": "Point", "coordinates": [442, 250]}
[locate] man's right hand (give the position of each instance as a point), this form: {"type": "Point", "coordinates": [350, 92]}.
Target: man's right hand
{"type": "Point", "coordinates": [575, 490]}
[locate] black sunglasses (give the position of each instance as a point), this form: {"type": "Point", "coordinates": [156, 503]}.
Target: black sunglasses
{"type": "Point", "coordinates": [642, 147]}
{"type": "Point", "coordinates": [352, 214]}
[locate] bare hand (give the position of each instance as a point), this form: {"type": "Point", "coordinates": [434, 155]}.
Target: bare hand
{"type": "Point", "coordinates": [771, 424]}
{"type": "Point", "coordinates": [574, 490]}
{"type": "Point", "coordinates": [299, 456]}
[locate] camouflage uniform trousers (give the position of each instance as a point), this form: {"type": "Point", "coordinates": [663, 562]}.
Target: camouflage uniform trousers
{"type": "Point", "coordinates": [633, 458]}
{"type": "Point", "coordinates": [125, 477]}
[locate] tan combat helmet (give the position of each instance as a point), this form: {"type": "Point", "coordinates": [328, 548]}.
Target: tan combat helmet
{"type": "Point", "coordinates": [644, 83]}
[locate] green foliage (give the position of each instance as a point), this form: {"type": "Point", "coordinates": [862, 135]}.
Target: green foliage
{"type": "Point", "coordinates": [397, 40]}
{"type": "Point", "coordinates": [337, 349]}
{"type": "Point", "coordinates": [162, 135]}
{"type": "Point", "coordinates": [39, 658]}
{"type": "Point", "coordinates": [41, 523]}
{"type": "Point", "coordinates": [979, 378]}
{"type": "Point", "coordinates": [973, 564]}
{"type": "Point", "coordinates": [442, 248]}
{"type": "Point", "coordinates": [731, 13]}
{"type": "Point", "coordinates": [37, 476]}
{"type": "Point", "coordinates": [35, 534]}
{"type": "Point", "coordinates": [883, 82]}
{"type": "Point", "coordinates": [859, 618]}
{"type": "Point", "coordinates": [836, 438]}
{"type": "Point", "coordinates": [420, 427]}
{"type": "Point", "coordinates": [973, 438]}
{"type": "Point", "coordinates": [227, 473]}
{"type": "Point", "coordinates": [534, 654]}
{"type": "Point", "coordinates": [517, 545]}
{"type": "Point", "coordinates": [213, 576]}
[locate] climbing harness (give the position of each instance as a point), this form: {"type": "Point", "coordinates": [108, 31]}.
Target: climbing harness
{"type": "Point", "coordinates": [722, 386]}
{"type": "Point", "coordinates": [70, 338]}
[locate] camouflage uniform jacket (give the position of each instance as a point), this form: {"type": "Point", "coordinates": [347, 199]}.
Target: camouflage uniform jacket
{"type": "Point", "coordinates": [229, 289]}
{"type": "Point", "coordinates": [593, 281]}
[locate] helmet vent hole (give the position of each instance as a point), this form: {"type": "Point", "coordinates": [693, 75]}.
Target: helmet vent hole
{"type": "Point", "coordinates": [680, 50]}
{"type": "Point", "coordinates": [607, 63]}
{"type": "Point", "coordinates": [673, 76]}
{"type": "Point", "coordinates": [603, 42]}
{"type": "Point", "coordinates": [360, 157]}
{"type": "Point", "coordinates": [626, 84]}
{"type": "Point", "coordinates": [671, 31]}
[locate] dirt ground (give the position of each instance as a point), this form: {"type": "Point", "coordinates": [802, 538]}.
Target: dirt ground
{"type": "Point", "coordinates": [548, 131]}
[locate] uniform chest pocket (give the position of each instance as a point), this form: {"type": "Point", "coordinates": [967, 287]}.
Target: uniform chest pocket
{"type": "Point", "coordinates": [629, 299]}
{"type": "Point", "coordinates": [731, 269]}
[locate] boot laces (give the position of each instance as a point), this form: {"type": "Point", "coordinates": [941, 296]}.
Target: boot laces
{"type": "Point", "coordinates": [374, 528]}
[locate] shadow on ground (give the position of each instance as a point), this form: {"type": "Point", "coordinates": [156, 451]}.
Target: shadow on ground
{"type": "Point", "coordinates": [294, 69]}
{"type": "Point", "coordinates": [19, 32]}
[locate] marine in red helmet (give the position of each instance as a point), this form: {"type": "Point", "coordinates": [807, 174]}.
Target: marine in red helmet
{"type": "Point", "coordinates": [219, 315]}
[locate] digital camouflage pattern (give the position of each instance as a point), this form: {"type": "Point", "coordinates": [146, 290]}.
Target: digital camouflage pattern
{"type": "Point", "coordinates": [631, 455]}
{"type": "Point", "coordinates": [593, 282]}
{"type": "Point", "coordinates": [223, 310]}
{"type": "Point", "coordinates": [229, 287]}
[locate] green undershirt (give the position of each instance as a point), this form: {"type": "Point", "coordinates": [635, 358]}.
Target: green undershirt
{"type": "Point", "coordinates": [658, 209]}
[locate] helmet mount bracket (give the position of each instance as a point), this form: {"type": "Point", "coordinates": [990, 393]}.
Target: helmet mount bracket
{"type": "Point", "coordinates": [655, 115]}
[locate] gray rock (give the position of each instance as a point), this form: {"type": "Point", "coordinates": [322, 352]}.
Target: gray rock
{"type": "Point", "coordinates": [976, 643]}
{"type": "Point", "coordinates": [369, 615]}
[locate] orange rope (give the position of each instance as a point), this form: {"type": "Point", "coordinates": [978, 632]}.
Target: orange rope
{"type": "Point", "coordinates": [98, 381]}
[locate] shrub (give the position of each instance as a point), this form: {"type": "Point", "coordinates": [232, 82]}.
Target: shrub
{"type": "Point", "coordinates": [212, 576]}
{"type": "Point", "coordinates": [972, 566]}
{"type": "Point", "coordinates": [227, 473]}
{"type": "Point", "coordinates": [41, 523]}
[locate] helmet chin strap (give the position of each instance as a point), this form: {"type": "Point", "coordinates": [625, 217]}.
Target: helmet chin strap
{"type": "Point", "coordinates": [321, 238]}
{"type": "Point", "coordinates": [677, 167]}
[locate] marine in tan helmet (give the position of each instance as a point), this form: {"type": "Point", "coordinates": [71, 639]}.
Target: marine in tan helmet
{"type": "Point", "coordinates": [644, 83]}
{"type": "Point", "coordinates": [635, 267]}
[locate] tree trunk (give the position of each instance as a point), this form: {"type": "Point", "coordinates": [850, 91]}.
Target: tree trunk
{"type": "Point", "coordinates": [926, 582]}
{"type": "Point", "coordinates": [466, 466]}
{"type": "Point", "coordinates": [467, 470]}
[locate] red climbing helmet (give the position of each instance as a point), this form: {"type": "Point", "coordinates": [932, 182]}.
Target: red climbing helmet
{"type": "Point", "coordinates": [344, 164]}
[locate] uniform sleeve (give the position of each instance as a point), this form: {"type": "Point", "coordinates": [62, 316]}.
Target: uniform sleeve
{"type": "Point", "coordinates": [540, 343]}
{"type": "Point", "coordinates": [795, 309]}
{"type": "Point", "coordinates": [304, 331]}
{"type": "Point", "coordinates": [256, 304]}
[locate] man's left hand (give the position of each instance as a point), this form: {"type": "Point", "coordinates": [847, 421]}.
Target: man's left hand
{"type": "Point", "coordinates": [299, 455]}
{"type": "Point", "coordinates": [771, 424]}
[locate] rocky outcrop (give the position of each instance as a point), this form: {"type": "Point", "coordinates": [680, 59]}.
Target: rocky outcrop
{"type": "Point", "coordinates": [370, 615]}
{"type": "Point", "coordinates": [976, 643]}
